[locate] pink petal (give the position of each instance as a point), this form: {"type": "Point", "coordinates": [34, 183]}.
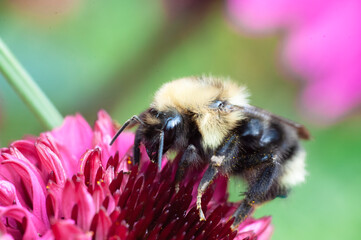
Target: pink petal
{"type": "Point", "coordinates": [52, 207]}
{"type": "Point", "coordinates": [72, 139]}
{"type": "Point", "coordinates": [98, 196]}
{"type": "Point", "coordinates": [56, 193]}
{"type": "Point", "coordinates": [27, 149]}
{"type": "Point", "coordinates": [104, 126]}
{"type": "Point", "coordinates": [89, 165]}
{"type": "Point", "coordinates": [48, 235]}
{"type": "Point", "coordinates": [104, 131]}
{"type": "Point", "coordinates": [266, 234]}
{"type": "Point", "coordinates": [109, 175]}
{"type": "Point", "coordinates": [7, 174]}
{"type": "Point", "coordinates": [33, 185]}
{"type": "Point", "coordinates": [258, 227]}
{"type": "Point", "coordinates": [6, 237]}
{"type": "Point", "coordinates": [19, 214]}
{"type": "Point", "coordinates": [7, 193]}
{"type": "Point", "coordinates": [66, 229]}
{"type": "Point", "coordinates": [103, 134]}
{"type": "Point", "coordinates": [245, 236]}
{"type": "Point", "coordinates": [124, 143]}
{"type": "Point", "coordinates": [102, 224]}
{"type": "Point", "coordinates": [86, 208]}
{"type": "Point", "coordinates": [51, 159]}
{"type": "Point", "coordinates": [77, 195]}
{"type": "Point", "coordinates": [68, 199]}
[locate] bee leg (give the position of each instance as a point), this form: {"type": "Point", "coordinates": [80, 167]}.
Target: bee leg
{"type": "Point", "coordinates": [190, 155]}
{"type": "Point", "coordinates": [258, 191]}
{"type": "Point", "coordinates": [218, 162]}
{"type": "Point", "coordinates": [207, 179]}
{"type": "Point", "coordinates": [136, 150]}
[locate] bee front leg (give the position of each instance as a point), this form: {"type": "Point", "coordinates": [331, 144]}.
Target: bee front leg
{"type": "Point", "coordinates": [258, 191]}
{"type": "Point", "coordinates": [136, 150]}
{"type": "Point", "coordinates": [189, 156]}
{"type": "Point", "coordinates": [207, 179]}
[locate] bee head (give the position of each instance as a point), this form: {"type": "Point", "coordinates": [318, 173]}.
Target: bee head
{"type": "Point", "coordinates": [159, 131]}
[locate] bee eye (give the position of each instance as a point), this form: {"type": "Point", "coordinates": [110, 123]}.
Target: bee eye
{"type": "Point", "coordinates": [217, 105]}
{"type": "Point", "coordinates": [173, 122]}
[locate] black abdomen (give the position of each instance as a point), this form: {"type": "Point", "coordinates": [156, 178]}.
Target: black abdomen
{"type": "Point", "coordinates": [253, 142]}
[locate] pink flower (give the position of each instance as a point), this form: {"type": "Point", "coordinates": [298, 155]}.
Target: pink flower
{"type": "Point", "coordinates": [70, 184]}
{"type": "Point", "coordinates": [321, 45]}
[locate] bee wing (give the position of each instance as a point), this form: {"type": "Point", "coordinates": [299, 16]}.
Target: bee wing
{"type": "Point", "coordinates": [302, 131]}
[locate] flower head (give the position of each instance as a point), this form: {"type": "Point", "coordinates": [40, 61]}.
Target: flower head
{"type": "Point", "coordinates": [322, 45]}
{"type": "Point", "coordinates": [69, 183]}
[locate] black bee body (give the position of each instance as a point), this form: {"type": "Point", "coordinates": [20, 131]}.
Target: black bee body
{"type": "Point", "coordinates": [219, 129]}
{"type": "Point", "coordinates": [256, 150]}
{"type": "Point", "coordinates": [255, 142]}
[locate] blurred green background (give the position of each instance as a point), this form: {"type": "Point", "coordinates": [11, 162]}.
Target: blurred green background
{"type": "Point", "coordinates": [88, 55]}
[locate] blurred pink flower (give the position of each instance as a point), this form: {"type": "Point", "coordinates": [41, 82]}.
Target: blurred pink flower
{"type": "Point", "coordinates": [70, 184]}
{"type": "Point", "coordinates": [322, 45]}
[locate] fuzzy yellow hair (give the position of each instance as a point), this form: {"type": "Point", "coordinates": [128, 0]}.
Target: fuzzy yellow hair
{"type": "Point", "coordinates": [195, 95]}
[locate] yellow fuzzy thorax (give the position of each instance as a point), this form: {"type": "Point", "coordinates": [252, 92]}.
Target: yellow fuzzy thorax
{"type": "Point", "coordinates": [195, 95]}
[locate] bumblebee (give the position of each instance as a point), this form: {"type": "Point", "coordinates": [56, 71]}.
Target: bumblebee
{"type": "Point", "coordinates": [210, 122]}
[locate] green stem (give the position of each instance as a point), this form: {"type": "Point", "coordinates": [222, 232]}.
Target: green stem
{"type": "Point", "coordinates": [27, 89]}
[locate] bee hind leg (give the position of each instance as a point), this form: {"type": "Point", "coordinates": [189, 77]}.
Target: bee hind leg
{"type": "Point", "coordinates": [262, 188]}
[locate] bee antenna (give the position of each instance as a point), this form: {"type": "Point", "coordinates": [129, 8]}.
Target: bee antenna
{"type": "Point", "coordinates": [135, 118]}
{"type": "Point", "coordinates": [160, 150]}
